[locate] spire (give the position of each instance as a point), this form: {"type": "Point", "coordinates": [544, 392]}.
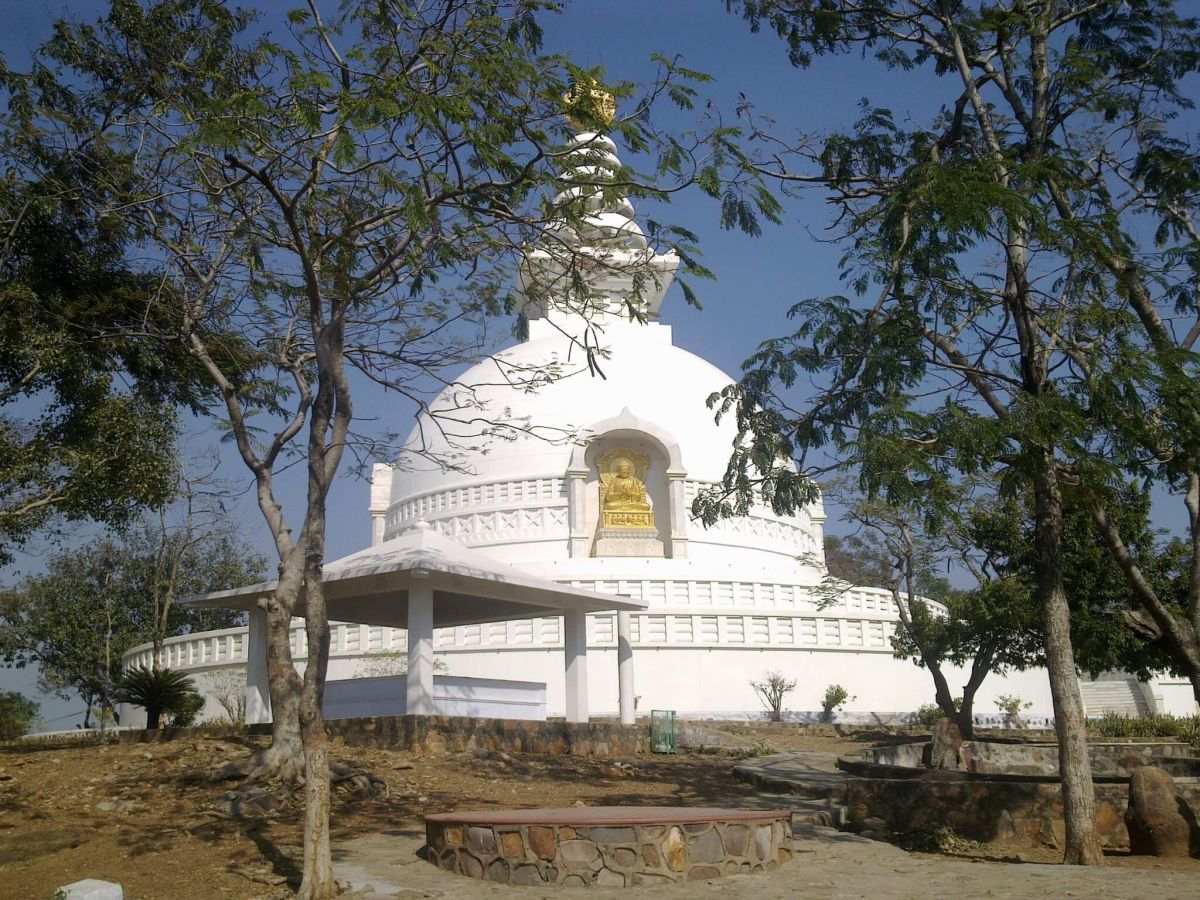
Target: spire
{"type": "Point", "coordinates": [594, 259]}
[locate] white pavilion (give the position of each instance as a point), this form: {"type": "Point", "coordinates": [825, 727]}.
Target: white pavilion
{"type": "Point", "coordinates": [586, 483]}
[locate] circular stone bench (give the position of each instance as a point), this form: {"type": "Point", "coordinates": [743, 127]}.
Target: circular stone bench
{"type": "Point", "coordinates": [609, 845]}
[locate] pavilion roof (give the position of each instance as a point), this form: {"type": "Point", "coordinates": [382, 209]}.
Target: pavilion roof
{"type": "Point", "coordinates": [469, 587]}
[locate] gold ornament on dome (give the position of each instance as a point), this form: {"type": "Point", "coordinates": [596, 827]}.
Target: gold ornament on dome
{"type": "Point", "coordinates": [596, 103]}
{"type": "Point", "coordinates": [624, 502]}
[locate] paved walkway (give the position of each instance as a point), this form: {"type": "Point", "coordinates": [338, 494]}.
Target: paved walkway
{"type": "Point", "coordinates": [828, 864]}
{"type": "Point", "coordinates": [812, 775]}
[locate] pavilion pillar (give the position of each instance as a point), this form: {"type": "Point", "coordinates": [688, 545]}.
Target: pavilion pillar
{"type": "Point", "coordinates": [420, 651]}
{"type": "Point", "coordinates": [625, 668]}
{"type": "Point", "coordinates": [258, 691]}
{"type": "Point", "coordinates": [575, 661]}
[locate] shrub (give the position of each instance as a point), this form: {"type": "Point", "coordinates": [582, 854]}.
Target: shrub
{"type": "Point", "coordinates": [832, 702]}
{"type": "Point", "coordinates": [228, 688]}
{"type": "Point", "coordinates": [158, 691]}
{"type": "Point", "coordinates": [762, 748]}
{"type": "Point", "coordinates": [926, 715]}
{"type": "Point", "coordinates": [771, 691]}
{"type": "Point", "coordinates": [17, 714]}
{"type": "Point", "coordinates": [1189, 730]}
{"type": "Point", "coordinates": [185, 714]}
{"type": "Point", "coordinates": [1117, 725]}
{"type": "Point", "coordinates": [1011, 705]}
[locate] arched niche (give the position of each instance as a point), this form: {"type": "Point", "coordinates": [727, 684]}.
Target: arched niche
{"type": "Point", "coordinates": [664, 481]}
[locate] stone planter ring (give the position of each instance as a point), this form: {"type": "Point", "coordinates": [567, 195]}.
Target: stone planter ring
{"type": "Point", "coordinates": [609, 845]}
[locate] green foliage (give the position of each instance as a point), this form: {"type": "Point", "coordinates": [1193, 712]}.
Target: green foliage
{"type": "Point", "coordinates": [1161, 725]}
{"type": "Point", "coordinates": [186, 711]}
{"type": "Point", "coordinates": [94, 603]}
{"type": "Point", "coordinates": [17, 714]}
{"type": "Point", "coordinates": [160, 691]}
{"type": "Point", "coordinates": [926, 715]}
{"type": "Point", "coordinates": [1006, 311]}
{"type": "Point", "coordinates": [88, 398]}
{"type": "Point", "coordinates": [858, 559]}
{"type": "Point", "coordinates": [1011, 706]}
{"type": "Point", "coordinates": [832, 701]}
{"type": "Point", "coordinates": [760, 748]}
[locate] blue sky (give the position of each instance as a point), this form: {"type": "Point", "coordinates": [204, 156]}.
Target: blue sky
{"type": "Point", "coordinates": [758, 279]}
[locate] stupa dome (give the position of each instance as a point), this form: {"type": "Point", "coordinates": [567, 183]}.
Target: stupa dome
{"type": "Point", "coordinates": [489, 429]}
{"type": "Point", "coordinates": [519, 454]}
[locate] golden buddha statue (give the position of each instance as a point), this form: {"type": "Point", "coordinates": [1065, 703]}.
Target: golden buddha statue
{"type": "Point", "coordinates": [624, 502]}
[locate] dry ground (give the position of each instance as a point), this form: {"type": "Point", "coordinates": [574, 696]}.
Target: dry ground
{"type": "Point", "coordinates": [147, 816]}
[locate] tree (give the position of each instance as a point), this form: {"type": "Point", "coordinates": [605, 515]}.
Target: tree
{"type": "Point", "coordinates": [1105, 625]}
{"type": "Point", "coordinates": [990, 628]}
{"type": "Point", "coordinates": [832, 701]}
{"type": "Point", "coordinates": [189, 546]}
{"type": "Point", "coordinates": [17, 714]}
{"type": "Point", "coordinates": [72, 622]}
{"type": "Point", "coordinates": [771, 690]}
{"type": "Point", "coordinates": [344, 200]}
{"type": "Point", "coordinates": [859, 559]}
{"type": "Point", "coordinates": [1016, 323]}
{"type": "Point", "coordinates": [158, 691]}
{"type": "Point", "coordinates": [87, 405]}
{"type": "Point", "coordinates": [93, 604]}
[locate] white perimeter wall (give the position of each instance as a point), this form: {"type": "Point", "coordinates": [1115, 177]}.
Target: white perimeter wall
{"type": "Point", "coordinates": [702, 682]}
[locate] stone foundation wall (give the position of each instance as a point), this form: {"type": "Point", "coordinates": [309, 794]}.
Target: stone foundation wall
{"type": "Point", "coordinates": [609, 855]}
{"type": "Point", "coordinates": [1117, 759]}
{"type": "Point", "coordinates": [449, 734]}
{"type": "Point", "coordinates": [1024, 813]}
{"type": "Point", "coordinates": [455, 734]}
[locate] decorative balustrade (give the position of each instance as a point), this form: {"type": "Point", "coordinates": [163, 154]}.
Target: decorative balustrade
{"type": "Point", "coordinates": [536, 509]}
{"type": "Point", "coordinates": [861, 619]}
{"type": "Point", "coordinates": [482, 496]}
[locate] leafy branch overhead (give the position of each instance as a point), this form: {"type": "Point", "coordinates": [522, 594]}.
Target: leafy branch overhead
{"type": "Point", "coordinates": [1021, 292]}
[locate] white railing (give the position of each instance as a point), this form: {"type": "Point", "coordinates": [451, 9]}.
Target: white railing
{"type": "Point", "coordinates": [667, 628]}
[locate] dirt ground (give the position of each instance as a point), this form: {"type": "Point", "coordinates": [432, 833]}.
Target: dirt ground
{"type": "Point", "coordinates": [149, 817]}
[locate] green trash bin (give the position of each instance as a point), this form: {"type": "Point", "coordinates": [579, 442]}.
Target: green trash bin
{"type": "Point", "coordinates": [662, 731]}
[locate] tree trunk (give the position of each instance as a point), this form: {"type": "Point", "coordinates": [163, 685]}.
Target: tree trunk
{"type": "Point", "coordinates": [1078, 794]}
{"type": "Point", "coordinates": [318, 882]}
{"type": "Point", "coordinates": [966, 716]}
{"type": "Point", "coordinates": [944, 698]}
{"type": "Point", "coordinates": [981, 665]}
{"type": "Point", "coordinates": [285, 757]}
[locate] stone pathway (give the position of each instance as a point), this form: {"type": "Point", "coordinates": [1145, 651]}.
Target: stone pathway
{"type": "Point", "coordinates": [827, 864]}
{"type": "Point", "coordinates": [815, 786]}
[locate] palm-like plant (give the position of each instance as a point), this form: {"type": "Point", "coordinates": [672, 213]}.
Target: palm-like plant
{"type": "Point", "coordinates": [155, 690]}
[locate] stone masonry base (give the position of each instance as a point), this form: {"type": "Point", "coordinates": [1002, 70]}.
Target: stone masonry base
{"type": "Point", "coordinates": [608, 846]}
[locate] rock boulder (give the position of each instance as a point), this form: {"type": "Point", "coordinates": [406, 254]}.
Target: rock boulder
{"type": "Point", "coordinates": [1156, 817]}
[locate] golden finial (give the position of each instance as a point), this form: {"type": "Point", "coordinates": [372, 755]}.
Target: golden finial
{"type": "Point", "coordinates": [593, 101]}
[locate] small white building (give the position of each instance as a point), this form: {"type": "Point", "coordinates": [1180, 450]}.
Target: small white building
{"type": "Point", "coordinates": [534, 436]}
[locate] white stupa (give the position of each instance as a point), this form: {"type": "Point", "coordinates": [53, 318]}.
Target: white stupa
{"type": "Point", "coordinates": [727, 604]}
{"type": "Point", "coordinates": [535, 460]}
